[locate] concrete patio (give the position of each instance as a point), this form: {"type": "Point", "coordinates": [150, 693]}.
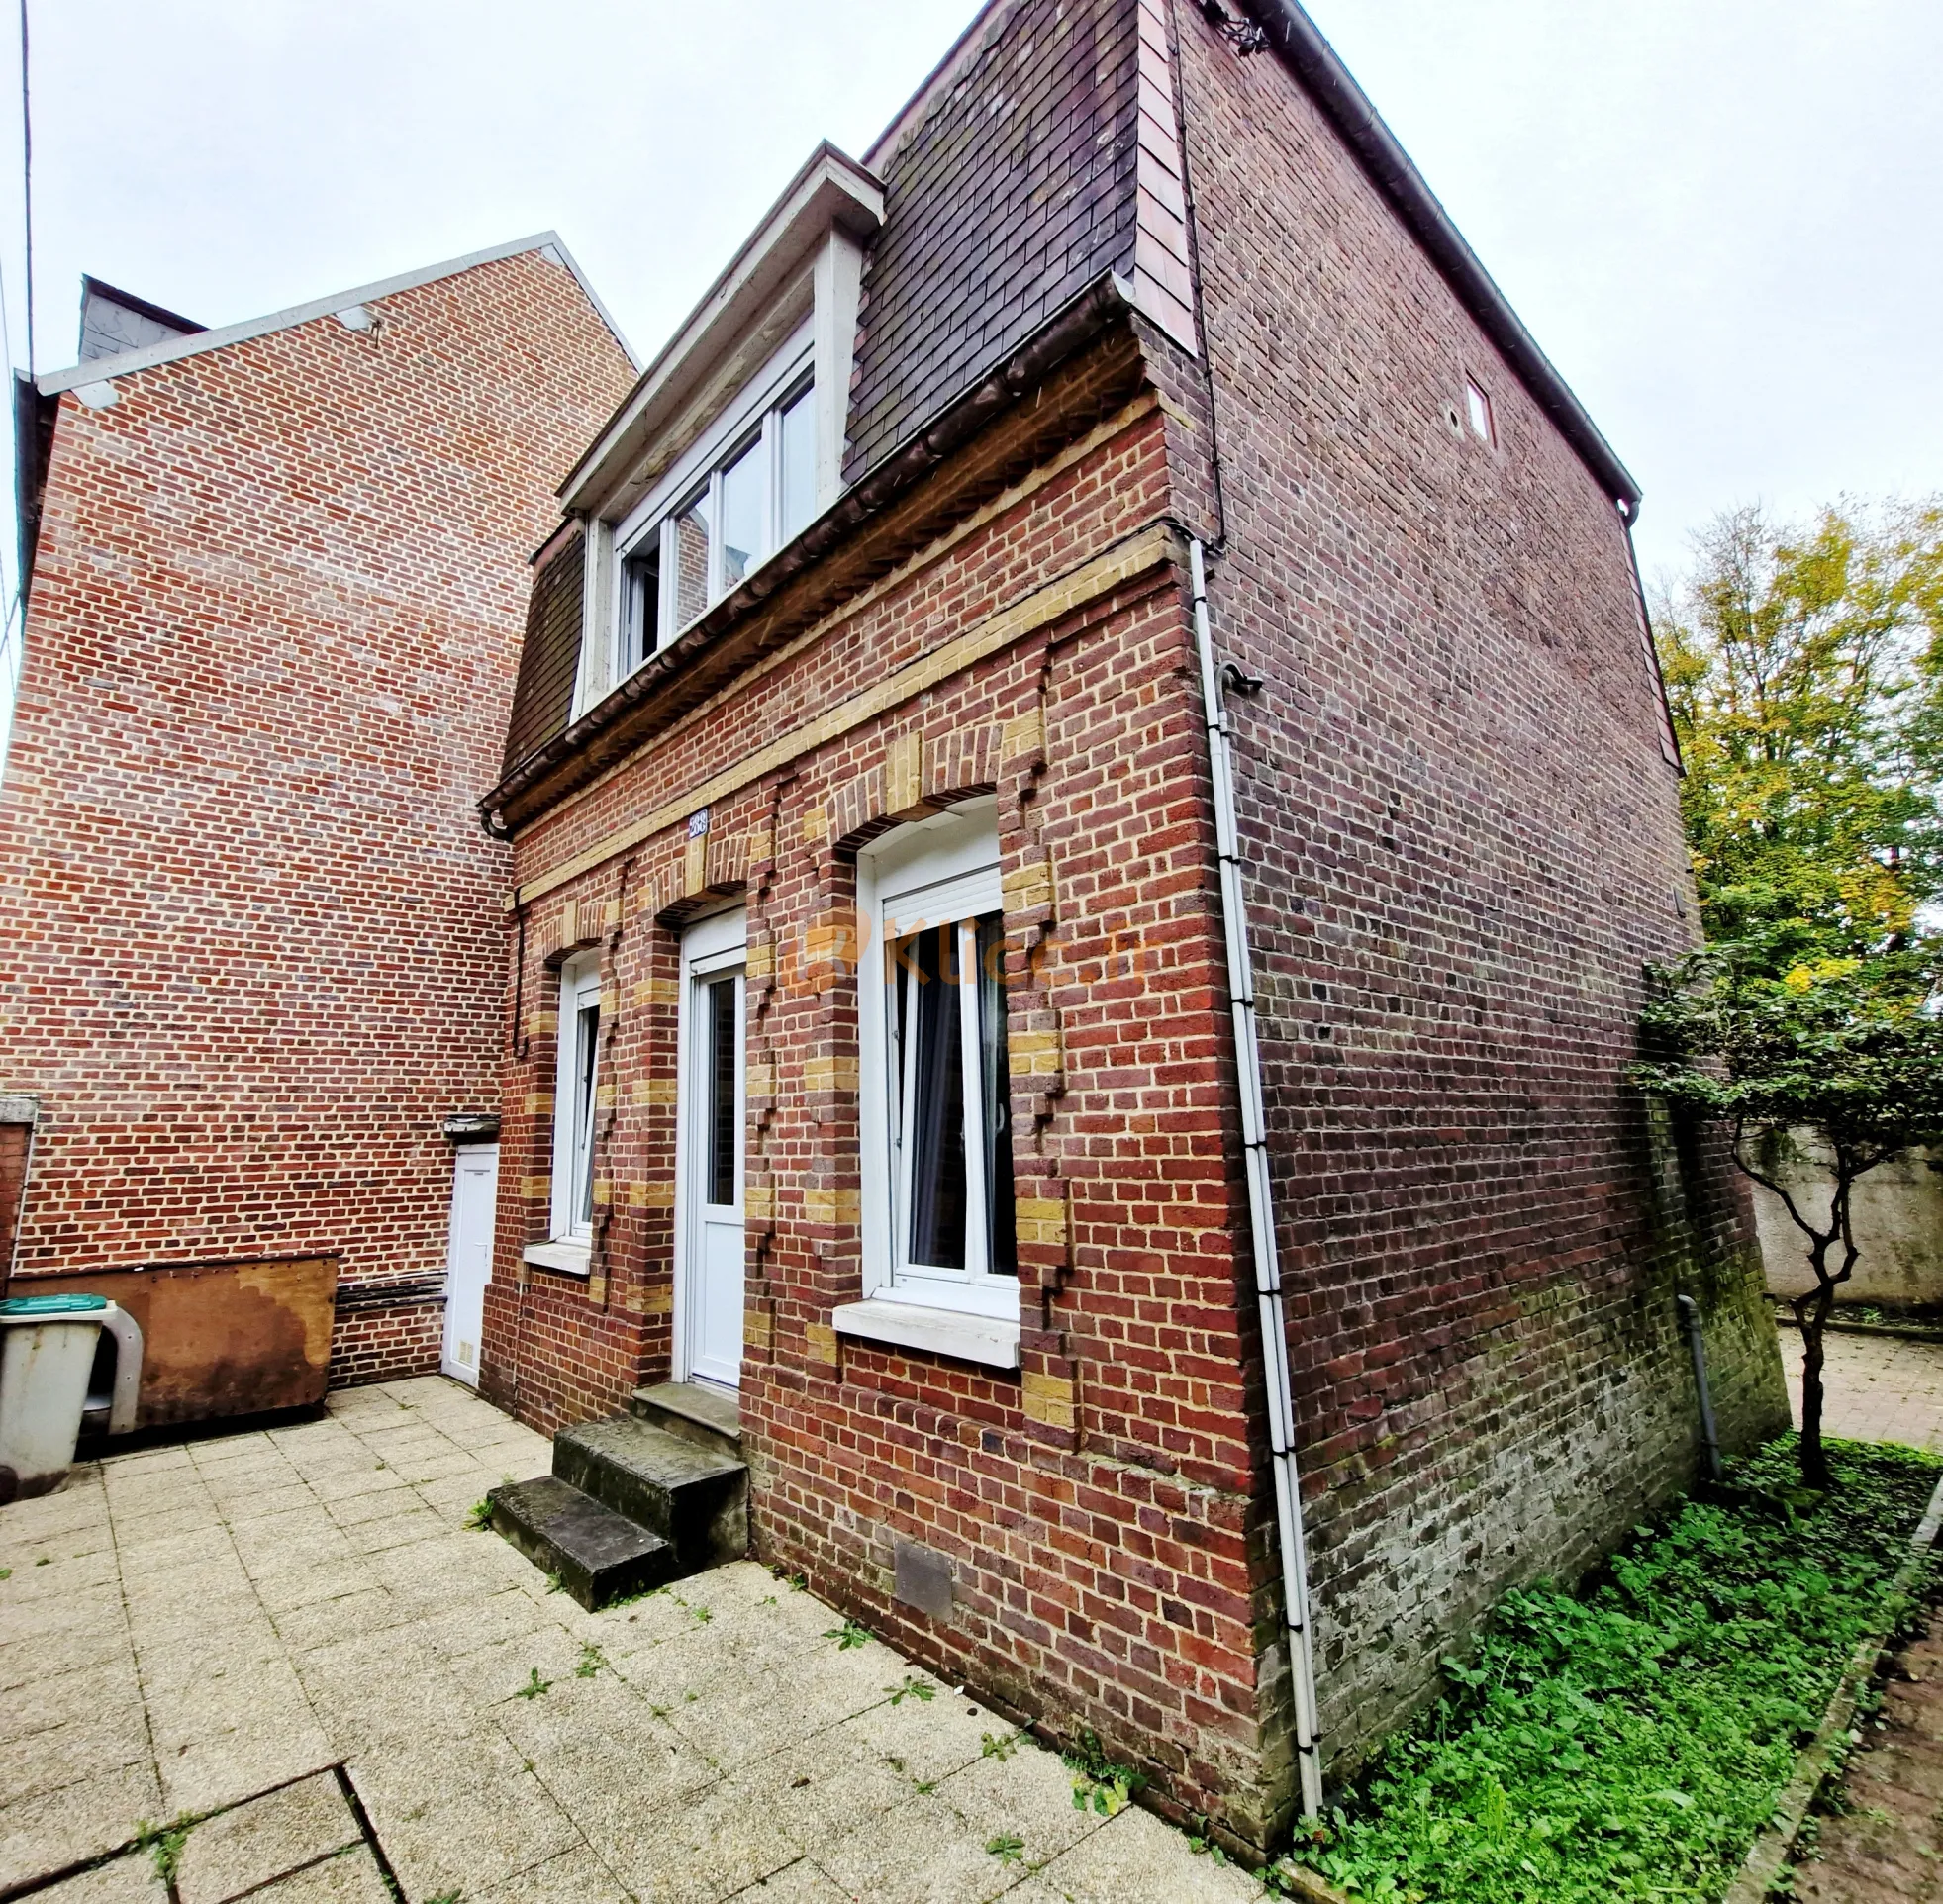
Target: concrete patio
{"type": "Point", "coordinates": [288, 1647]}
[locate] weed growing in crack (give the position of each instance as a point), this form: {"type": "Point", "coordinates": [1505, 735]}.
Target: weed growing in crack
{"type": "Point", "coordinates": [913, 1689]}
{"type": "Point", "coordinates": [533, 1686]}
{"type": "Point", "coordinates": [847, 1634]}
{"type": "Point", "coordinates": [991, 1746]}
{"type": "Point", "coordinates": [163, 1843]}
{"type": "Point", "coordinates": [1098, 1785]}
{"type": "Point", "coordinates": [592, 1658]}
{"type": "Point", "coordinates": [700, 1615]}
{"type": "Point", "coordinates": [479, 1516]}
{"type": "Point", "coordinates": [1008, 1847]}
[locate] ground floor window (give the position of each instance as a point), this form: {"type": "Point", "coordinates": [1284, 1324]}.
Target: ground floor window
{"type": "Point", "coordinates": [573, 1099]}
{"type": "Point", "coordinates": [937, 1118]}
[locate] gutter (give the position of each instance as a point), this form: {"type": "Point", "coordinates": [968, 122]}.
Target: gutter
{"type": "Point", "coordinates": [1106, 299]}
{"type": "Point", "coordinates": [1261, 1211]}
{"type": "Point", "coordinates": [1314, 62]}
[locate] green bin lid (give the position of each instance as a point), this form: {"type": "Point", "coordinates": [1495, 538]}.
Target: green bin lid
{"type": "Point", "coordinates": [31, 1305]}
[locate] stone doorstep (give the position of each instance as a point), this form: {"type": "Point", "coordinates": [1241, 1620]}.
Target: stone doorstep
{"type": "Point", "coordinates": [695, 1497]}
{"type": "Point", "coordinates": [598, 1556]}
{"type": "Point", "coordinates": [708, 1417]}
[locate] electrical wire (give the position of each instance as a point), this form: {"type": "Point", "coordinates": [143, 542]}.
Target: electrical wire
{"type": "Point", "coordinates": [26, 181]}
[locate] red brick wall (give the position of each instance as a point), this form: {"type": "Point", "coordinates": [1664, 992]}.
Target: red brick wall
{"type": "Point", "coordinates": [1464, 841]}
{"type": "Point", "coordinates": [1103, 1566]}
{"type": "Point", "coordinates": [249, 928]}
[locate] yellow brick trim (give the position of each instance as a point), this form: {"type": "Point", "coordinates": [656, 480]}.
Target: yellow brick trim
{"type": "Point", "coordinates": [542, 1024]}
{"type": "Point", "coordinates": [603, 1191]}
{"type": "Point", "coordinates": [1137, 555]}
{"type": "Point", "coordinates": [758, 1329]}
{"type": "Point", "coordinates": [602, 1096]}
{"type": "Point", "coordinates": [536, 1189]}
{"type": "Point", "coordinates": [657, 992]}
{"type": "Point", "coordinates": [759, 1203]}
{"type": "Point", "coordinates": [540, 1104]}
{"type": "Point", "coordinates": [904, 772]}
{"type": "Point", "coordinates": [651, 1196]}
{"type": "Point", "coordinates": [760, 1081]}
{"type": "Point", "coordinates": [1032, 1054]}
{"type": "Point", "coordinates": [830, 1206]}
{"type": "Point", "coordinates": [820, 1343]}
{"type": "Point", "coordinates": [829, 1073]}
{"type": "Point", "coordinates": [652, 1090]}
{"type": "Point", "coordinates": [815, 824]}
{"type": "Point", "coordinates": [1040, 1219]}
{"type": "Point", "coordinates": [1025, 734]}
{"type": "Point", "coordinates": [1028, 886]}
{"type": "Point", "coordinates": [1049, 1399]}
{"type": "Point", "coordinates": [759, 962]}
{"type": "Point", "coordinates": [659, 1300]}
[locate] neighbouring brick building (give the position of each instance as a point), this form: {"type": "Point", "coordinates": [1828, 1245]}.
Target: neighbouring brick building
{"type": "Point", "coordinates": [871, 1046]}
{"type": "Point", "coordinates": [250, 926]}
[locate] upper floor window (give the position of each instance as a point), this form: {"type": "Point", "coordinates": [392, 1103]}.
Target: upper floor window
{"type": "Point", "coordinates": [758, 493]}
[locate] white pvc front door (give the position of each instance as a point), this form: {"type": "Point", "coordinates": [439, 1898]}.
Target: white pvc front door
{"type": "Point", "coordinates": [469, 1257]}
{"type": "Point", "coordinates": [709, 1285]}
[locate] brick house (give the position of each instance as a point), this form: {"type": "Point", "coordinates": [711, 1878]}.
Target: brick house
{"type": "Point", "coordinates": [1087, 794]}
{"type": "Point", "coordinates": [249, 945]}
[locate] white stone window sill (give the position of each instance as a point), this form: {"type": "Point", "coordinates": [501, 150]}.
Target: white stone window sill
{"type": "Point", "coordinates": [570, 1258]}
{"type": "Point", "coordinates": [989, 1339]}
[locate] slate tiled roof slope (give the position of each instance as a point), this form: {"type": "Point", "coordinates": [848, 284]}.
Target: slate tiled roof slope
{"type": "Point", "coordinates": [542, 702]}
{"type": "Point", "coordinates": [1013, 190]}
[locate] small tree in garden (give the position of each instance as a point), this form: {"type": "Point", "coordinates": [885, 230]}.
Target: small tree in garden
{"type": "Point", "coordinates": [1848, 1049]}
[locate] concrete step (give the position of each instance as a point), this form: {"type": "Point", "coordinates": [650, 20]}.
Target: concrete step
{"type": "Point", "coordinates": [708, 1417]}
{"type": "Point", "coordinates": [599, 1556]}
{"type": "Point", "coordinates": [696, 1499]}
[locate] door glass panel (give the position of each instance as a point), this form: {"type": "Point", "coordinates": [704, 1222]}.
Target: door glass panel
{"type": "Point", "coordinates": [692, 538]}
{"type": "Point", "coordinates": [587, 1045]}
{"type": "Point", "coordinates": [994, 1093]}
{"type": "Point", "coordinates": [744, 513]}
{"type": "Point", "coordinates": [933, 1121]}
{"type": "Point", "coordinates": [798, 425]}
{"type": "Point", "coordinates": [724, 1134]}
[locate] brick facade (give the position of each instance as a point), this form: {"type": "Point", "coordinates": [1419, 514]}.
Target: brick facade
{"type": "Point", "coordinates": [249, 936]}
{"type": "Point", "coordinates": [1463, 841]}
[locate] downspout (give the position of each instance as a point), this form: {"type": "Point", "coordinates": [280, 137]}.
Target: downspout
{"type": "Point", "coordinates": [1261, 1210]}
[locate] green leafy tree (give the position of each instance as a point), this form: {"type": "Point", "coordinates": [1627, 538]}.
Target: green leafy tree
{"type": "Point", "coordinates": [1804, 672]}
{"type": "Point", "coordinates": [1850, 1049]}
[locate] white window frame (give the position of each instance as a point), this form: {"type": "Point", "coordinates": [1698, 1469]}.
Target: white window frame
{"type": "Point", "coordinates": [699, 473]}
{"type": "Point", "coordinates": [1481, 413]}
{"type": "Point", "coordinates": [573, 1148]}
{"type": "Point", "coordinates": [932, 872]}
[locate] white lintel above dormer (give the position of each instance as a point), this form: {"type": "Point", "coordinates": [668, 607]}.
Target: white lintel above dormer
{"type": "Point", "coordinates": [804, 260]}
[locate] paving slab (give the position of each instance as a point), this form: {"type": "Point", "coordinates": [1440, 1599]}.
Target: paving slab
{"type": "Point", "coordinates": [222, 1622]}
{"type": "Point", "coordinates": [267, 1837]}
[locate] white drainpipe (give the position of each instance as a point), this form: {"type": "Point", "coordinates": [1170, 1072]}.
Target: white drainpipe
{"type": "Point", "coordinates": [1261, 1210]}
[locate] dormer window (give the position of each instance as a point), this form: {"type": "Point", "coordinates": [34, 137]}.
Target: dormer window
{"type": "Point", "coordinates": [678, 559]}
{"type": "Point", "coordinates": [733, 441]}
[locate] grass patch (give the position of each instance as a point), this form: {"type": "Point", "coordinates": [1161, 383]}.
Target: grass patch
{"type": "Point", "coordinates": [1631, 1741]}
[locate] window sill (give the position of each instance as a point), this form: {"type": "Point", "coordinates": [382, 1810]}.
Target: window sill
{"type": "Point", "coordinates": [948, 1332]}
{"type": "Point", "coordinates": [570, 1258]}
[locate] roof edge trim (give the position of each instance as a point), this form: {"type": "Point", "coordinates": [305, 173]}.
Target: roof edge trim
{"type": "Point", "coordinates": [105, 369]}
{"type": "Point", "coordinates": [1319, 68]}
{"type": "Point", "coordinates": [828, 188]}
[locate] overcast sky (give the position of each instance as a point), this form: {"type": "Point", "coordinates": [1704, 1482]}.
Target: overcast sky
{"type": "Point", "coordinates": [1720, 216]}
